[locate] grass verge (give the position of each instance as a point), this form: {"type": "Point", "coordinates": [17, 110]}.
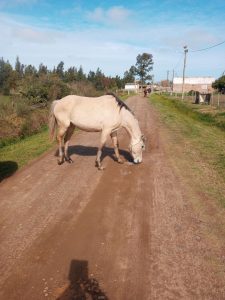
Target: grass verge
{"type": "Point", "coordinates": [196, 145]}
{"type": "Point", "coordinates": [18, 154]}
{"type": "Point", "coordinates": [204, 113]}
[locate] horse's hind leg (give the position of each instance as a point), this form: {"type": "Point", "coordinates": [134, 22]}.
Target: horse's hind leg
{"type": "Point", "coordinates": [116, 146]}
{"type": "Point", "coordinates": [103, 139]}
{"type": "Point", "coordinates": [60, 135]}
{"type": "Point", "coordinates": [67, 138]}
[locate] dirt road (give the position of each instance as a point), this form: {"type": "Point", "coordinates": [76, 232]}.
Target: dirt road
{"type": "Point", "coordinates": [126, 233]}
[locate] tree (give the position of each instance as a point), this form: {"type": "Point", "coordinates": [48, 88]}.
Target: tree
{"type": "Point", "coordinates": [30, 70]}
{"type": "Point", "coordinates": [119, 82]}
{"type": "Point", "coordinates": [219, 84]}
{"type": "Point", "coordinates": [80, 74]}
{"type": "Point", "coordinates": [19, 68]}
{"type": "Point", "coordinates": [6, 77]}
{"type": "Point", "coordinates": [143, 66]}
{"type": "Point", "coordinates": [60, 69]}
{"type": "Point", "coordinates": [42, 70]}
{"type": "Point", "coordinates": [99, 80]}
{"type": "Point", "coordinates": [91, 76]}
{"type": "Point", "coordinates": [70, 75]}
{"type": "Point", "coordinates": [129, 76]}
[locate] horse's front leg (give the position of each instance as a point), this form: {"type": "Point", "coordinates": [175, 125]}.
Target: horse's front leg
{"type": "Point", "coordinates": [116, 146]}
{"type": "Point", "coordinates": [67, 138]}
{"type": "Point", "coordinates": [103, 139]}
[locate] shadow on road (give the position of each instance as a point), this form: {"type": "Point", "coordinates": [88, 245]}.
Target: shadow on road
{"type": "Point", "coordinates": [7, 168]}
{"type": "Point", "coordinates": [81, 286]}
{"type": "Point", "coordinates": [92, 151]}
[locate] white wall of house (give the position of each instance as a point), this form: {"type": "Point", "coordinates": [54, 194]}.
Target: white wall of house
{"type": "Point", "coordinates": [201, 84]}
{"type": "Point", "coordinates": [132, 87]}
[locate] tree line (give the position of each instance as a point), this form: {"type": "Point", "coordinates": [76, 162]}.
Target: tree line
{"type": "Point", "coordinates": [42, 84]}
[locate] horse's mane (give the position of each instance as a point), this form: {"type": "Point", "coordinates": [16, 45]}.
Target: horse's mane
{"type": "Point", "coordinates": [120, 102]}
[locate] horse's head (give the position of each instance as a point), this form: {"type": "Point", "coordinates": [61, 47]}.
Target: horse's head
{"type": "Point", "coordinates": [137, 148]}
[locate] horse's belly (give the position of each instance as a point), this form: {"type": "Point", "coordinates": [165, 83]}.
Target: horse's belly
{"type": "Point", "coordinates": [88, 128]}
{"type": "Point", "coordinates": [93, 123]}
{"type": "Point", "coordinates": [87, 125]}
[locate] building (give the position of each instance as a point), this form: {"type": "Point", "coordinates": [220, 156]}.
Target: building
{"type": "Point", "coordinates": [200, 84]}
{"type": "Point", "coordinates": [132, 87]}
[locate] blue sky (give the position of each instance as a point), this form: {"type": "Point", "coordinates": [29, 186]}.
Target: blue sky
{"type": "Point", "coordinates": [110, 34]}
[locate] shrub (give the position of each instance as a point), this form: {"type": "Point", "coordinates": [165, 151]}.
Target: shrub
{"type": "Point", "coordinates": [22, 108]}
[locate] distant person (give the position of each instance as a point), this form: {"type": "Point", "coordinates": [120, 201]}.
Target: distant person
{"type": "Point", "coordinates": [145, 92]}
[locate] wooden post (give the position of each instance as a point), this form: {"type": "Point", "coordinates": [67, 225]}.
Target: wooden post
{"type": "Point", "coordinates": [218, 100]}
{"type": "Point", "coordinates": [185, 54]}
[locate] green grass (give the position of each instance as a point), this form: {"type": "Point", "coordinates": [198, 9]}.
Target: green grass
{"type": "Point", "coordinates": [195, 112]}
{"type": "Point", "coordinates": [18, 154]}
{"type": "Point", "coordinates": [197, 145]}
{"type": "Point", "coordinates": [5, 99]}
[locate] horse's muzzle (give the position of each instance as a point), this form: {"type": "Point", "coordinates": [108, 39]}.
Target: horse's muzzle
{"type": "Point", "coordinates": [137, 161]}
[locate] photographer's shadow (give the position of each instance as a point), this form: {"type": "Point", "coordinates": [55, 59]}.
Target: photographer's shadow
{"type": "Point", "coordinates": [81, 286]}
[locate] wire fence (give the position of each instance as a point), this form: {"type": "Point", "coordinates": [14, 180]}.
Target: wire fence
{"type": "Point", "coordinates": [216, 99]}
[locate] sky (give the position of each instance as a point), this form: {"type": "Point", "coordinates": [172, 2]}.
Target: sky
{"type": "Point", "coordinates": [110, 34]}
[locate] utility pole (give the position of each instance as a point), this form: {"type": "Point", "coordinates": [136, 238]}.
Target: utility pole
{"type": "Point", "coordinates": [167, 78]}
{"type": "Point", "coordinates": [185, 55]}
{"type": "Point", "coordinates": [172, 80]}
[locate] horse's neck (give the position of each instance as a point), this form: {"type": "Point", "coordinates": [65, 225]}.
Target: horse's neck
{"type": "Point", "coordinates": [131, 125]}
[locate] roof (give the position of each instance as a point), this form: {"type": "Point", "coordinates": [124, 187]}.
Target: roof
{"type": "Point", "coordinates": [194, 80]}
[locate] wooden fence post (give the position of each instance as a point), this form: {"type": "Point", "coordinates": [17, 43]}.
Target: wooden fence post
{"type": "Point", "coordinates": [218, 100]}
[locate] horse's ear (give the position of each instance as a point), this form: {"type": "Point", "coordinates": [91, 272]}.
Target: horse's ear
{"type": "Point", "coordinates": [144, 139]}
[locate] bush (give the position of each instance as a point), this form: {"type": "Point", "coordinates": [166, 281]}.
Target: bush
{"type": "Point", "coordinates": [5, 109]}
{"type": "Point", "coordinates": [84, 88]}
{"type": "Point", "coordinates": [40, 90]}
{"type": "Point", "coordinates": [22, 108]}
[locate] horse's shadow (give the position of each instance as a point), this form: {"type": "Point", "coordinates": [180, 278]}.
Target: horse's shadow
{"type": "Point", "coordinates": [92, 151]}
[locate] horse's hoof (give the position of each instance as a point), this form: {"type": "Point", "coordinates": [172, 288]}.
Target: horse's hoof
{"type": "Point", "coordinates": [69, 160]}
{"type": "Point", "coordinates": [60, 162]}
{"type": "Point", "coordinates": [120, 161]}
{"type": "Point", "coordinates": [101, 168]}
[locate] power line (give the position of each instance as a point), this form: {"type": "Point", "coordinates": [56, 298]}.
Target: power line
{"type": "Point", "coordinates": [178, 62]}
{"type": "Point", "coordinates": [203, 49]}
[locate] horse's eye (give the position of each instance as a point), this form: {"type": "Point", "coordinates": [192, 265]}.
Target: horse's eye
{"type": "Point", "coordinates": [142, 146]}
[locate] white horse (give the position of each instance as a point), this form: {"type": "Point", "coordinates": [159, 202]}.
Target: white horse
{"type": "Point", "coordinates": [105, 114]}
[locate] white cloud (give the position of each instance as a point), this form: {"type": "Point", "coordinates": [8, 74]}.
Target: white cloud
{"type": "Point", "coordinates": [90, 48]}
{"type": "Point", "coordinates": [19, 32]}
{"type": "Point", "coordinates": [98, 15]}
{"type": "Point", "coordinates": [193, 36]}
{"type": "Point", "coordinates": [32, 35]}
{"type": "Point", "coordinates": [114, 15]}
{"type": "Point", "coordinates": [118, 14]}
{"type": "Point", "coordinates": [108, 48]}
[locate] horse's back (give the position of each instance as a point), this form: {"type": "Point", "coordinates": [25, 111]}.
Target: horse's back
{"type": "Point", "coordinates": [88, 113]}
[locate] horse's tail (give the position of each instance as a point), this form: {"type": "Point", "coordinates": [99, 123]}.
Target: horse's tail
{"type": "Point", "coordinates": [52, 121]}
